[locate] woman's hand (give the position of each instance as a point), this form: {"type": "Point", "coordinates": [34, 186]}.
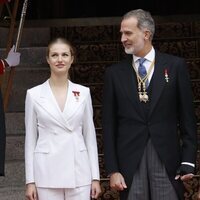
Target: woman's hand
{"type": "Point", "coordinates": [95, 189]}
{"type": "Point", "coordinates": [31, 192]}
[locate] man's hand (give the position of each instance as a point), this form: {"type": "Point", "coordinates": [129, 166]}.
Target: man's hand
{"type": "Point", "coordinates": [185, 172]}
{"type": "Point", "coordinates": [185, 177]}
{"type": "Point", "coordinates": [13, 58]}
{"type": "Point", "coordinates": [117, 181]}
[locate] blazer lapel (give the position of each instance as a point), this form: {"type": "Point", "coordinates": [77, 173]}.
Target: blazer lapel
{"type": "Point", "coordinates": [158, 81]}
{"type": "Point", "coordinates": [75, 98]}
{"type": "Point", "coordinates": [129, 82]}
{"type": "Point", "coordinates": [48, 102]}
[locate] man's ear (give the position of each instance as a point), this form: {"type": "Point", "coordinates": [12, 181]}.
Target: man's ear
{"type": "Point", "coordinates": [147, 35]}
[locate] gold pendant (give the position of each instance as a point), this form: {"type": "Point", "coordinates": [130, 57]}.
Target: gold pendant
{"type": "Point", "coordinates": [143, 97]}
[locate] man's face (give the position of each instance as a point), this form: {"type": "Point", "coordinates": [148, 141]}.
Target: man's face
{"type": "Point", "coordinates": [132, 38]}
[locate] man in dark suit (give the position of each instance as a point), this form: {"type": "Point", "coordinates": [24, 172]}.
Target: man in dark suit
{"type": "Point", "coordinates": [147, 98]}
{"type": "Point", "coordinates": [12, 59]}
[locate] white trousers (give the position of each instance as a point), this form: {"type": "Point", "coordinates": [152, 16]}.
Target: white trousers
{"type": "Point", "coordinates": [79, 193]}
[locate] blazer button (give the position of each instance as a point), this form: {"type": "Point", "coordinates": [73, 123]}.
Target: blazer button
{"type": "Point", "coordinates": [55, 133]}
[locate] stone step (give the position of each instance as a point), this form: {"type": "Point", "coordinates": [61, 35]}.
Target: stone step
{"type": "Point", "coordinates": [23, 80]}
{"type": "Point", "coordinates": [15, 124]}
{"type": "Point", "coordinates": [34, 37]}
{"type": "Point", "coordinates": [14, 174]}
{"type": "Point", "coordinates": [31, 56]}
{"type": "Point", "coordinates": [14, 148]}
{"type": "Point", "coordinates": [38, 32]}
{"type": "Point", "coordinates": [12, 193]}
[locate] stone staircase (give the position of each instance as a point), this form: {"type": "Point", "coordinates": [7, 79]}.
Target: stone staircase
{"type": "Point", "coordinates": [98, 45]}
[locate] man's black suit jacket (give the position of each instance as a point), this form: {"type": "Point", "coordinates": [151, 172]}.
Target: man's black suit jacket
{"type": "Point", "coordinates": [2, 137]}
{"type": "Point", "coordinates": [126, 129]}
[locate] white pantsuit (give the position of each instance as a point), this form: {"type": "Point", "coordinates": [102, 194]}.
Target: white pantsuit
{"type": "Point", "coordinates": [80, 193]}
{"type": "Point", "coordinates": [60, 147]}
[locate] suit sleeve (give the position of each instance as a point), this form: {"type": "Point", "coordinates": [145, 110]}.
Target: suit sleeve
{"type": "Point", "coordinates": [187, 115]}
{"type": "Point", "coordinates": [30, 138]}
{"type": "Point", "coordinates": [90, 138]}
{"type": "Point", "coordinates": [109, 124]}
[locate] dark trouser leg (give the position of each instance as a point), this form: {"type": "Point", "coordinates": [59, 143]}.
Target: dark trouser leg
{"type": "Point", "coordinates": [150, 181]}
{"type": "Point", "coordinates": [139, 189]}
{"type": "Point", "coordinates": [160, 185]}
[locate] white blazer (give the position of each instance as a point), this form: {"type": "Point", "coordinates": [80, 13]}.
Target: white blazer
{"type": "Point", "coordinates": [60, 147]}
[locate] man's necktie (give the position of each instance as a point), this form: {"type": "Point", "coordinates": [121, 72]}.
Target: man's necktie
{"type": "Point", "coordinates": [142, 71]}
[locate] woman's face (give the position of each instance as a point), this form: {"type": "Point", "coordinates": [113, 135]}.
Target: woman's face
{"type": "Point", "coordinates": [60, 58]}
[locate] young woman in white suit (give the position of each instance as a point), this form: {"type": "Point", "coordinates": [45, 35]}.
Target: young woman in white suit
{"type": "Point", "coordinates": [61, 159]}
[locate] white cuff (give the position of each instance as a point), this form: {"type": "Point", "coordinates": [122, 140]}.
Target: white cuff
{"type": "Point", "coordinates": [188, 163]}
